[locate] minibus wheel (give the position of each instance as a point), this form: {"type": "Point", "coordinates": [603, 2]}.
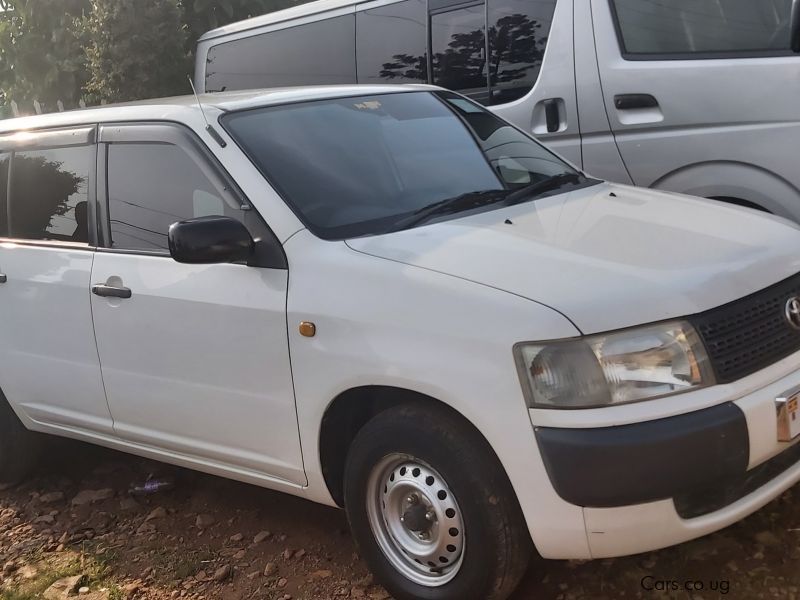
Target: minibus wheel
{"type": "Point", "coordinates": [431, 508]}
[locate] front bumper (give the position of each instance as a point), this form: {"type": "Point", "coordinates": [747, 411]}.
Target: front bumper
{"type": "Point", "coordinates": [652, 483]}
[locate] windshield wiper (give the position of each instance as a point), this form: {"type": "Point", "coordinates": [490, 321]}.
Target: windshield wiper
{"type": "Point", "coordinates": [448, 206]}
{"type": "Point", "coordinates": [549, 184]}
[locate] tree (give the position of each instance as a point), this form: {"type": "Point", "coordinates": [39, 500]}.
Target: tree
{"type": "Point", "coordinates": [41, 56]}
{"type": "Point", "coordinates": [135, 50]}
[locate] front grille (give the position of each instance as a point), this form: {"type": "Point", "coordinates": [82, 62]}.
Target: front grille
{"type": "Point", "coordinates": [724, 493]}
{"type": "Point", "coordinates": [751, 333]}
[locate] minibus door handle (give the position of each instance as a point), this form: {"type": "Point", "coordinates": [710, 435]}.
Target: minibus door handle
{"type": "Point", "coordinates": [629, 101]}
{"type": "Point", "coordinates": [552, 115]}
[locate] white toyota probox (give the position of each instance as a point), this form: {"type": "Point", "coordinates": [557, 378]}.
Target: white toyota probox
{"type": "Point", "coordinates": [389, 299]}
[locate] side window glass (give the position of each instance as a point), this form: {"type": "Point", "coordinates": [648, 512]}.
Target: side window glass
{"type": "Point", "coordinates": [49, 194]}
{"type": "Point", "coordinates": [703, 26]}
{"type": "Point", "coordinates": [458, 49]}
{"type": "Point", "coordinates": [391, 43]}
{"type": "Point", "coordinates": [4, 160]}
{"type": "Point", "coordinates": [518, 32]}
{"type": "Point", "coordinates": [150, 187]}
{"type": "Point", "coordinates": [322, 52]}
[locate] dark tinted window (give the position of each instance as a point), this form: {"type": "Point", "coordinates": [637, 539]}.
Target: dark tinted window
{"type": "Point", "coordinates": [150, 187]}
{"type": "Point", "coordinates": [391, 44]}
{"type": "Point", "coordinates": [518, 31]}
{"type": "Point", "coordinates": [458, 50]}
{"type": "Point", "coordinates": [697, 26]}
{"type": "Point", "coordinates": [49, 194]}
{"type": "Point", "coordinates": [322, 52]}
{"type": "Point", "coordinates": [4, 159]}
{"type": "Point", "coordinates": [355, 166]}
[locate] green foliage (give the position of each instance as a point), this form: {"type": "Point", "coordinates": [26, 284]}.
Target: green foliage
{"type": "Point", "coordinates": [135, 49]}
{"type": "Point", "coordinates": [109, 50]}
{"type": "Point", "coordinates": [41, 55]}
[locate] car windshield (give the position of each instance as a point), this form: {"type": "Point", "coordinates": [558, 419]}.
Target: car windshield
{"type": "Point", "coordinates": [366, 165]}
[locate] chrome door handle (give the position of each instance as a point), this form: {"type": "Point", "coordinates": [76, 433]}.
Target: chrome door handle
{"type": "Point", "coordinates": [110, 291]}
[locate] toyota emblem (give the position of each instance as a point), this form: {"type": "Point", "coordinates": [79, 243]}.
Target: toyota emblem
{"type": "Point", "coordinates": [792, 311]}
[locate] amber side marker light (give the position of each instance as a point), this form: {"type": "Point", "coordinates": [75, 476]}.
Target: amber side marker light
{"type": "Point", "coordinates": [307, 329]}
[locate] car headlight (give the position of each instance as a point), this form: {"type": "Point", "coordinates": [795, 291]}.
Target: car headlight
{"type": "Point", "coordinates": [615, 368]}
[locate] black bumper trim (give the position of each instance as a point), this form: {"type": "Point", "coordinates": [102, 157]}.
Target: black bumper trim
{"type": "Point", "coordinates": [643, 462]}
{"type": "Point", "coordinates": [713, 498]}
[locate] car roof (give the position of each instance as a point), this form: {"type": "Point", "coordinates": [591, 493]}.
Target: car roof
{"type": "Point", "coordinates": [185, 106]}
{"type": "Point", "coordinates": [287, 14]}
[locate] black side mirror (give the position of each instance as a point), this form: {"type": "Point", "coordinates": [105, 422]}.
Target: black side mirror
{"type": "Point", "coordinates": [206, 240]}
{"type": "Point", "coordinates": [795, 24]}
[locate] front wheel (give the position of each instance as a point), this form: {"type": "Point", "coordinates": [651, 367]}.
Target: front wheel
{"type": "Point", "coordinates": [431, 508]}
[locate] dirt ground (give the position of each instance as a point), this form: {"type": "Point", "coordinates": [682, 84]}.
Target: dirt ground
{"type": "Point", "coordinates": [213, 538]}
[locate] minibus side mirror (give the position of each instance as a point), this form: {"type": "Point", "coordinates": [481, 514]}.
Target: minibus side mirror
{"type": "Point", "coordinates": [795, 23]}
{"type": "Point", "coordinates": [208, 240]}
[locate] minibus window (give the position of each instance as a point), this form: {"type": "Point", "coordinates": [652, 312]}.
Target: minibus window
{"type": "Point", "coordinates": [391, 43]}
{"type": "Point", "coordinates": [518, 33]}
{"type": "Point", "coordinates": [322, 52]}
{"type": "Point", "coordinates": [690, 27]}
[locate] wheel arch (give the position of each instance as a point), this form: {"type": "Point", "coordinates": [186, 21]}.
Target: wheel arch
{"type": "Point", "coordinates": [351, 409]}
{"type": "Point", "coordinates": [737, 182]}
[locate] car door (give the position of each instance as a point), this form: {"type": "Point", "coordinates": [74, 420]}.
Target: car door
{"type": "Point", "coordinates": [702, 95]}
{"type": "Point", "coordinates": [49, 369]}
{"type": "Point", "coordinates": [194, 357]}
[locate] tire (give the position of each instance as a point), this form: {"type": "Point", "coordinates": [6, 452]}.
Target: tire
{"type": "Point", "coordinates": [20, 449]}
{"type": "Point", "coordinates": [428, 465]}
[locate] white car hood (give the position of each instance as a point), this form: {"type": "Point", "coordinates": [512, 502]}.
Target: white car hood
{"type": "Point", "coordinates": [607, 256]}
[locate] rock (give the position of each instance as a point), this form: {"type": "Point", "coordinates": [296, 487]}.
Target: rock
{"type": "Point", "coordinates": [9, 567]}
{"type": "Point", "coordinates": [92, 496]}
{"type": "Point", "coordinates": [49, 519]}
{"type": "Point", "coordinates": [204, 521]}
{"type": "Point", "coordinates": [282, 582]}
{"type": "Point", "coordinates": [223, 573]}
{"type": "Point", "coordinates": [51, 497]}
{"type": "Point", "coordinates": [130, 589]}
{"type": "Point", "coordinates": [146, 528]}
{"type": "Point", "coordinates": [83, 590]}
{"type": "Point", "coordinates": [357, 592]}
{"type": "Point", "coordinates": [287, 554]}
{"type": "Point", "coordinates": [321, 574]}
{"type": "Point", "coordinates": [28, 572]}
{"type": "Point", "coordinates": [261, 536]}
{"type": "Point", "coordinates": [239, 555]}
{"type": "Point", "coordinates": [63, 588]}
{"type": "Point", "coordinates": [157, 513]}
{"type": "Point", "coordinates": [128, 504]}
{"type": "Point", "coordinates": [237, 537]}
{"type": "Point", "coordinates": [767, 538]}
{"type": "Point", "coordinates": [270, 570]}
{"type": "Point", "coordinates": [300, 554]}
{"type": "Point", "coordinates": [253, 575]}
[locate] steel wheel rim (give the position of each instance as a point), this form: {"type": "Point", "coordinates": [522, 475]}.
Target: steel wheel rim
{"type": "Point", "coordinates": [416, 520]}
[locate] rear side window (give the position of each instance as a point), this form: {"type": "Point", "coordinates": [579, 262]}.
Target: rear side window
{"type": "Point", "coordinates": [322, 52]}
{"type": "Point", "coordinates": [49, 194]}
{"type": "Point", "coordinates": [688, 27]}
{"type": "Point", "coordinates": [391, 43]}
{"type": "Point", "coordinates": [513, 33]}
{"type": "Point", "coordinates": [150, 187]}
